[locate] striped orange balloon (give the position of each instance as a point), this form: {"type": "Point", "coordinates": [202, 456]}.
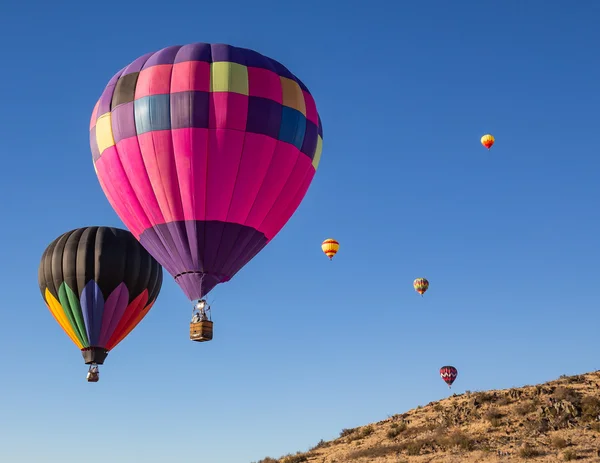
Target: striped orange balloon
{"type": "Point", "coordinates": [330, 247]}
{"type": "Point", "coordinates": [421, 285]}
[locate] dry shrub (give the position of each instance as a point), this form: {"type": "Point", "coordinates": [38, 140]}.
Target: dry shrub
{"type": "Point", "coordinates": [566, 393]}
{"type": "Point", "coordinates": [573, 379]}
{"type": "Point", "coordinates": [396, 429]}
{"type": "Point", "coordinates": [458, 439]}
{"type": "Point", "coordinates": [298, 458]}
{"type": "Point", "coordinates": [540, 425]}
{"type": "Point", "coordinates": [376, 452]}
{"type": "Point", "coordinates": [527, 451]}
{"type": "Point", "coordinates": [347, 432]}
{"type": "Point", "coordinates": [493, 415]}
{"type": "Point", "coordinates": [590, 408]}
{"type": "Point", "coordinates": [558, 442]}
{"type": "Point", "coordinates": [502, 401]}
{"type": "Point", "coordinates": [484, 397]}
{"type": "Point", "coordinates": [321, 445]}
{"type": "Point", "coordinates": [595, 427]}
{"type": "Point", "coordinates": [414, 448]}
{"type": "Point", "coordinates": [525, 408]}
{"type": "Point", "coordinates": [359, 433]}
{"type": "Point", "coordinates": [569, 455]}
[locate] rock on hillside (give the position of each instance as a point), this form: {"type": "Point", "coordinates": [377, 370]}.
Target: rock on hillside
{"type": "Point", "coordinates": [555, 421]}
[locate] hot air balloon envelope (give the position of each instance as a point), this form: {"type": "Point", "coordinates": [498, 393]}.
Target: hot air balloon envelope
{"type": "Point", "coordinates": [487, 141]}
{"type": "Point", "coordinates": [205, 151]}
{"type": "Point", "coordinates": [421, 285]}
{"type": "Point", "coordinates": [330, 247]}
{"type": "Point", "coordinates": [98, 283]}
{"type": "Point", "coordinates": [448, 374]}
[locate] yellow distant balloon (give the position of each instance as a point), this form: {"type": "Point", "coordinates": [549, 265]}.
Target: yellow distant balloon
{"type": "Point", "coordinates": [487, 140]}
{"type": "Point", "coordinates": [330, 247]}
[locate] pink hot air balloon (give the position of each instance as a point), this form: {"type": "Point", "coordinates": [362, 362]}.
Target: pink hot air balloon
{"type": "Point", "coordinates": [205, 151]}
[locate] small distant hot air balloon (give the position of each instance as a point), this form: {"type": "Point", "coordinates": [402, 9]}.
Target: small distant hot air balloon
{"type": "Point", "coordinates": [421, 285]}
{"type": "Point", "coordinates": [487, 140]}
{"type": "Point", "coordinates": [330, 247]}
{"type": "Point", "coordinates": [448, 374]}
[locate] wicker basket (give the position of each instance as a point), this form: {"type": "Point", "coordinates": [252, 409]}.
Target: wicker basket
{"type": "Point", "coordinates": [201, 331]}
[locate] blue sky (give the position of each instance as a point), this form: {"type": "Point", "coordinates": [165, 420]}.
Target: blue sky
{"type": "Point", "coordinates": [305, 347]}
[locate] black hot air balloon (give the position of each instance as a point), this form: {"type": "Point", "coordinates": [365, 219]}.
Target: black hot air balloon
{"type": "Point", "coordinates": [98, 283]}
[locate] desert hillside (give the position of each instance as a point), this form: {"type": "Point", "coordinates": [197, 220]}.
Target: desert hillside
{"type": "Point", "coordinates": [555, 421]}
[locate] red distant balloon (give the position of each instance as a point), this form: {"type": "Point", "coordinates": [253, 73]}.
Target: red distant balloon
{"type": "Point", "coordinates": [448, 374]}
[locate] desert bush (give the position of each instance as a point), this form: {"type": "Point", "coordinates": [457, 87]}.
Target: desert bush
{"type": "Point", "coordinates": [525, 408]}
{"type": "Point", "coordinates": [569, 455]}
{"type": "Point", "coordinates": [360, 433]}
{"type": "Point", "coordinates": [590, 408]}
{"type": "Point", "coordinates": [527, 451]}
{"type": "Point", "coordinates": [396, 429]}
{"type": "Point", "coordinates": [375, 452]}
{"type": "Point", "coordinates": [459, 439]}
{"type": "Point", "coordinates": [595, 427]}
{"type": "Point", "coordinates": [537, 425]}
{"type": "Point", "coordinates": [561, 421]}
{"type": "Point", "coordinates": [485, 397]}
{"type": "Point", "coordinates": [347, 432]}
{"type": "Point", "coordinates": [502, 401]}
{"type": "Point", "coordinates": [298, 458]}
{"type": "Point", "coordinates": [558, 442]}
{"type": "Point", "coordinates": [366, 431]}
{"type": "Point", "coordinates": [493, 415]}
{"type": "Point", "coordinates": [566, 393]}
{"type": "Point", "coordinates": [573, 379]}
{"type": "Point", "coordinates": [414, 448]}
{"type": "Point", "coordinates": [321, 445]}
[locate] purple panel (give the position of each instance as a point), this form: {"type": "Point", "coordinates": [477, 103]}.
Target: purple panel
{"type": "Point", "coordinates": [92, 306]}
{"type": "Point", "coordinates": [114, 308]}
{"type": "Point", "coordinates": [251, 250]}
{"type": "Point", "coordinates": [223, 52]}
{"type": "Point", "coordinates": [282, 70]}
{"type": "Point", "coordinates": [197, 285]}
{"type": "Point", "coordinates": [164, 56]}
{"type": "Point", "coordinates": [309, 146]}
{"type": "Point", "coordinates": [189, 109]}
{"type": "Point", "coordinates": [194, 52]}
{"type": "Point", "coordinates": [123, 122]}
{"type": "Point", "coordinates": [137, 65]}
{"type": "Point", "coordinates": [106, 98]}
{"type": "Point", "coordinates": [94, 145]}
{"type": "Point", "coordinates": [256, 60]}
{"type": "Point", "coordinates": [216, 249]}
{"type": "Point", "coordinates": [264, 116]}
{"type": "Point", "coordinates": [236, 238]}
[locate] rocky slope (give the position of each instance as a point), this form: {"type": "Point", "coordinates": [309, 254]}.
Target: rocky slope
{"type": "Point", "coordinates": [555, 421]}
